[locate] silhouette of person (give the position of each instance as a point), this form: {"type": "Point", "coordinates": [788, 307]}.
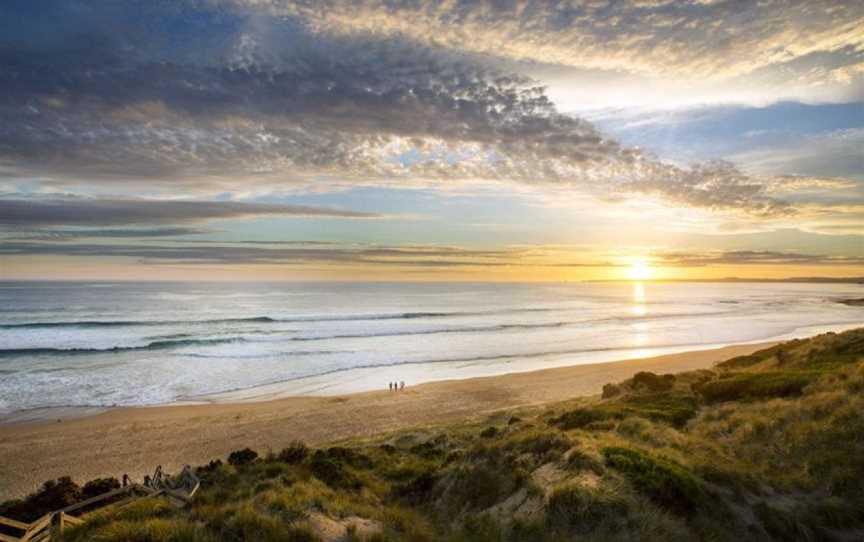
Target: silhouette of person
{"type": "Point", "coordinates": [402, 385]}
{"type": "Point", "coordinates": [125, 479]}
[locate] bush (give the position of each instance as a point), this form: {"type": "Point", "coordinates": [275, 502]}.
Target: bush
{"type": "Point", "coordinates": [53, 495]}
{"type": "Point", "coordinates": [242, 457]}
{"type": "Point", "coordinates": [653, 382]}
{"type": "Point", "coordinates": [418, 490]}
{"type": "Point", "coordinates": [294, 454]}
{"type": "Point", "coordinates": [480, 486]}
{"type": "Point", "coordinates": [579, 418]}
{"type": "Point", "coordinates": [489, 432]}
{"type": "Point", "coordinates": [666, 483]}
{"type": "Point", "coordinates": [99, 486]}
{"type": "Point", "coordinates": [672, 408]}
{"type": "Point", "coordinates": [576, 508]}
{"type": "Point", "coordinates": [676, 409]}
{"type": "Point", "coordinates": [738, 386]}
{"type": "Point", "coordinates": [611, 390]}
{"type": "Point", "coordinates": [426, 450]}
{"type": "Point", "coordinates": [348, 456]}
{"type": "Point", "coordinates": [332, 472]}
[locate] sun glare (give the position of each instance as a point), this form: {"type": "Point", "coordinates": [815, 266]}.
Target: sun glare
{"type": "Point", "coordinates": [639, 270]}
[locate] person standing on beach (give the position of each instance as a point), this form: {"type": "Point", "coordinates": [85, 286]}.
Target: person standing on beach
{"type": "Point", "coordinates": [391, 385]}
{"type": "Point", "coordinates": [402, 385]}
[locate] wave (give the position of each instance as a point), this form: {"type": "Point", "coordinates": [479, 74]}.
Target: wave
{"type": "Point", "coordinates": [133, 323]}
{"type": "Point", "coordinates": [477, 329]}
{"type": "Point", "coordinates": [155, 345]}
{"type": "Point", "coordinates": [266, 319]}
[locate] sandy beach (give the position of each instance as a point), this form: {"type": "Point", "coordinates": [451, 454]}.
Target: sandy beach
{"type": "Point", "coordinates": [135, 440]}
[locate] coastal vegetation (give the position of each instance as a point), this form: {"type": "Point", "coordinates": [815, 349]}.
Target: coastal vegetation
{"type": "Point", "coordinates": [768, 446]}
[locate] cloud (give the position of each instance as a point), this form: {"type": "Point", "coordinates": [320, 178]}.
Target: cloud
{"type": "Point", "coordinates": [753, 257]}
{"type": "Point", "coordinates": [673, 38]}
{"type": "Point", "coordinates": [80, 212]}
{"type": "Point", "coordinates": [228, 253]}
{"type": "Point", "coordinates": [268, 100]}
{"type": "Point", "coordinates": [66, 235]}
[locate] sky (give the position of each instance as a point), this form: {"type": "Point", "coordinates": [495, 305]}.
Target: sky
{"type": "Point", "coordinates": [420, 140]}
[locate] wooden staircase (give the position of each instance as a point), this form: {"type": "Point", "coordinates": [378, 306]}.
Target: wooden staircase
{"type": "Point", "coordinates": [178, 490]}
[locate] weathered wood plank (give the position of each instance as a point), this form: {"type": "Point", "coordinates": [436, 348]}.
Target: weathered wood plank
{"type": "Point", "coordinates": [5, 538]}
{"type": "Point", "coordinates": [42, 536]}
{"type": "Point", "coordinates": [72, 520]}
{"type": "Point", "coordinates": [37, 526]}
{"type": "Point", "coordinates": [95, 499]}
{"type": "Point", "coordinates": [14, 523]}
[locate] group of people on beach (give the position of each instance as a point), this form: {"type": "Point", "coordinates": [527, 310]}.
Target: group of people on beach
{"type": "Point", "coordinates": [396, 386]}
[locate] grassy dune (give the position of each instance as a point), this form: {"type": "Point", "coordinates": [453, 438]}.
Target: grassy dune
{"type": "Point", "coordinates": [764, 447]}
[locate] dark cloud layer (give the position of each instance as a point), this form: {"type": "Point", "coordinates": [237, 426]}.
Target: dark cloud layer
{"type": "Point", "coordinates": [754, 257]}
{"type": "Point", "coordinates": [68, 234]}
{"type": "Point", "coordinates": [38, 213]}
{"type": "Point", "coordinates": [198, 96]}
{"type": "Point", "coordinates": [316, 254]}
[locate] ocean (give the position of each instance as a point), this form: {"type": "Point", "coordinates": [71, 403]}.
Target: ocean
{"type": "Point", "coordinates": [101, 344]}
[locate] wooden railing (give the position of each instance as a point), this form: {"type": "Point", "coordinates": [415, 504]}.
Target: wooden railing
{"type": "Point", "coordinates": [179, 491]}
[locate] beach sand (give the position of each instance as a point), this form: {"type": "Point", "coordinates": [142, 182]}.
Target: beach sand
{"type": "Point", "coordinates": [135, 440]}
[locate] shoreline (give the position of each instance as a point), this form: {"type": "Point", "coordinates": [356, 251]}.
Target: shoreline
{"type": "Point", "coordinates": [135, 439]}
{"type": "Point", "coordinates": [360, 380]}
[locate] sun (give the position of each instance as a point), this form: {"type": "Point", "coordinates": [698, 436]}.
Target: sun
{"type": "Point", "coordinates": [639, 269]}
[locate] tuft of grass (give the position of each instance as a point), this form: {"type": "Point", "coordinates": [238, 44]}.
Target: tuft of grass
{"type": "Point", "coordinates": [150, 530]}
{"type": "Point", "coordinates": [579, 509]}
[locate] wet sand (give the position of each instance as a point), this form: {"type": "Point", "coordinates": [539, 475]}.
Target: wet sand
{"type": "Point", "coordinates": [135, 440]}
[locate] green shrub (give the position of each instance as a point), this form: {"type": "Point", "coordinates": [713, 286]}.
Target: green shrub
{"type": "Point", "coordinates": [666, 483]}
{"type": "Point", "coordinates": [667, 407]}
{"type": "Point", "coordinates": [99, 486]}
{"type": "Point", "coordinates": [489, 432]}
{"type": "Point", "coordinates": [744, 386]}
{"type": "Point", "coordinates": [349, 456]}
{"type": "Point", "coordinates": [427, 450]}
{"type": "Point", "coordinates": [246, 456]}
{"type": "Point", "coordinates": [332, 472]}
{"type": "Point", "coordinates": [418, 489]}
{"type": "Point", "coordinates": [653, 382]}
{"type": "Point", "coordinates": [676, 409]}
{"type": "Point", "coordinates": [53, 495]}
{"type": "Point", "coordinates": [480, 486]}
{"type": "Point", "coordinates": [294, 454]}
{"type": "Point", "coordinates": [611, 390]}
{"type": "Point", "coordinates": [579, 418]}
